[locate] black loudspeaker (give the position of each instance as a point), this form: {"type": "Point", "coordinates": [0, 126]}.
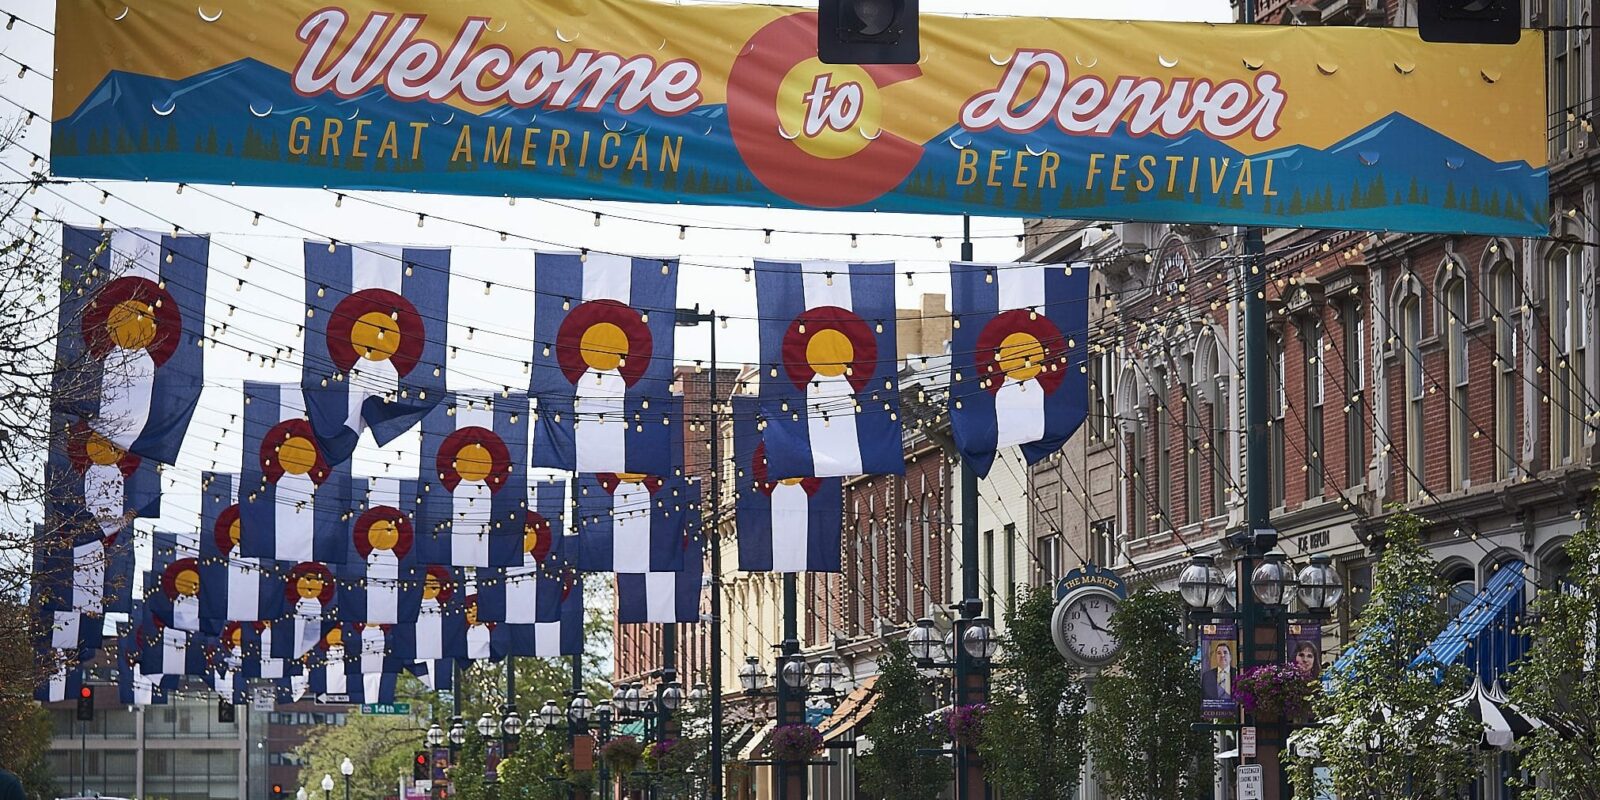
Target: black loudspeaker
{"type": "Point", "coordinates": [1470, 21]}
{"type": "Point", "coordinates": [867, 32]}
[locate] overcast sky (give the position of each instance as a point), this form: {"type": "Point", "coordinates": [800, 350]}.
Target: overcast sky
{"type": "Point", "coordinates": [269, 307]}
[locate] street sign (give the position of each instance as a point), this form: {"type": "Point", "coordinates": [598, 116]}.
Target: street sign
{"type": "Point", "coordinates": [1247, 742]}
{"type": "Point", "coordinates": [325, 699]}
{"type": "Point", "coordinates": [1250, 782]}
{"type": "Point", "coordinates": [386, 709]}
{"type": "Point", "coordinates": [262, 699]}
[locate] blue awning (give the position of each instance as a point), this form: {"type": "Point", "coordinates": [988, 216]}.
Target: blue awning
{"type": "Point", "coordinates": [1485, 636]}
{"type": "Point", "coordinates": [1341, 665]}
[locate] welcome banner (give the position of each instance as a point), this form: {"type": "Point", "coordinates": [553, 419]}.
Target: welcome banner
{"type": "Point", "coordinates": [631, 100]}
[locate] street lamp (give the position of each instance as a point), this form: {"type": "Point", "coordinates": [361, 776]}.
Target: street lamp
{"type": "Point", "coordinates": [828, 674]}
{"type": "Point", "coordinates": [435, 735]}
{"type": "Point", "coordinates": [327, 785]}
{"type": "Point", "coordinates": [549, 715]}
{"type": "Point", "coordinates": [979, 640]}
{"type": "Point", "coordinates": [1320, 586]}
{"type": "Point", "coordinates": [923, 640]}
{"type": "Point", "coordinates": [751, 677]}
{"type": "Point", "coordinates": [347, 769]}
{"type": "Point", "coordinates": [796, 673]}
{"type": "Point", "coordinates": [1201, 583]}
{"type": "Point", "coordinates": [300, 793]}
{"type": "Point", "coordinates": [458, 734]}
{"type": "Point", "coordinates": [698, 695]}
{"type": "Point", "coordinates": [1273, 582]}
{"type": "Point", "coordinates": [487, 725]}
{"type": "Point", "coordinates": [578, 710]}
{"type": "Point", "coordinates": [671, 697]}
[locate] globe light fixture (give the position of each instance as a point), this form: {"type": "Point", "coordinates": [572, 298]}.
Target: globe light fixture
{"type": "Point", "coordinates": [1320, 586]}
{"type": "Point", "coordinates": [1273, 582]}
{"type": "Point", "coordinates": [699, 694]}
{"type": "Point", "coordinates": [671, 697]}
{"type": "Point", "coordinates": [795, 672]}
{"type": "Point", "coordinates": [750, 675]}
{"type": "Point", "coordinates": [512, 724]}
{"type": "Point", "coordinates": [550, 714]}
{"type": "Point", "coordinates": [327, 782]}
{"type": "Point", "coordinates": [923, 640]}
{"type": "Point", "coordinates": [602, 713]}
{"type": "Point", "coordinates": [487, 725]}
{"type": "Point", "coordinates": [347, 769]}
{"type": "Point", "coordinates": [578, 710]}
{"type": "Point", "coordinates": [979, 640]}
{"type": "Point", "coordinates": [458, 733]}
{"type": "Point", "coordinates": [434, 736]}
{"type": "Point", "coordinates": [827, 675]}
{"type": "Point", "coordinates": [1201, 583]}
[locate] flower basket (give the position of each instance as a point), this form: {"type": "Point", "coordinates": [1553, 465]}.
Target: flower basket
{"type": "Point", "coordinates": [965, 723]}
{"type": "Point", "coordinates": [622, 754]}
{"type": "Point", "coordinates": [1276, 690]}
{"type": "Point", "coordinates": [795, 743]}
{"type": "Point", "coordinates": [666, 756]}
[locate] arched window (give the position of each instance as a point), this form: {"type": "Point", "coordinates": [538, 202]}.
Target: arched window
{"type": "Point", "coordinates": [1194, 438]}
{"type": "Point", "coordinates": [1568, 395]}
{"type": "Point", "coordinates": [1458, 358]}
{"type": "Point", "coordinates": [1162, 419]}
{"type": "Point", "coordinates": [1507, 327]}
{"type": "Point", "coordinates": [1410, 341]}
{"type": "Point", "coordinates": [1463, 587]}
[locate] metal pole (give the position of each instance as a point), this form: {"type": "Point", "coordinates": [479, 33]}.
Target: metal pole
{"type": "Point", "coordinates": [715, 542]}
{"type": "Point", "coordinates": [347, 787]}
{"type": "Point", "coordinates": [970, 784]}
{"type": "Point", "coordinates": [791, 778]}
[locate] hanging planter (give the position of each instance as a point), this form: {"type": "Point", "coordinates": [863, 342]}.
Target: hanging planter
{"type": "Point", "coordinates": [1283, 691]}
{"type": "Point", "coordinates": [795, 743]}
{"type": "Point", "coordinates": [622, 754]}
{"type": "Point", "coordinates": [965, 723]}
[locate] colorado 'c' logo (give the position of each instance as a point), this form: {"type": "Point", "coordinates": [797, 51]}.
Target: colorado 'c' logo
{"type": "Point", "coordinates": [133, 313]}
{"type": "Point", "coordinates": [181, 578]}
{"type": "Point", "coordinates": [831, 342]}
{"type": "Point", "coordinates": [225, 531]}
{"type": "Point", "coordinates": [1021, 345]}
{"type": "Point", "coordinates": [376, 325]}
{"type": "Point", "coordinates": [309, 581]}
{"type": "Point", "coordinates": [383, 528]}
{"type": "Point", "coordinates": [291, 447]}
{"type": "Point", "coordinates": [536, 539]}
{"type": "Point", "coordinates": [758, 472]}
{"type": "Point", "coordinates": [473, 454]}
{"type": "Point", "coordinates": [603, 336]}
{"type": "Point", "coordinates": [87, 448]}
{"type": "Point", "coordinates": [809, 131]}
{"type": "Point", "coordinates": [609, 481]}
{"type": "Point", "coordinates": [438, 584]}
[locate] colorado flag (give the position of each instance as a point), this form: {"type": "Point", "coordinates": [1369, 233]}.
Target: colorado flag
{"type": "Point", "coordinates": [513, 594]}
{"type": "Point", "coordinates": [663, 596]}
{"type": "Point", "coordinates": [233, 587]}
{"type": "Point", "coordinates": [294, 498]}
{"type": "Point", "coordinates": [602, 362]}
{"type": "Point", "coordinates": [133, 309]}
{"type": "Point", "coordinates": [383, 583]}
{"type": "Point", "coordinates": [631, 523]}
{"type": "Point", "coordinates": [788, 524]}
{"type": "Point", "coordinates": [1017, 365]}
{"type": "Point", "coordinates": [374, 340]}
{"type": "Point", "coordinates": [474, 481]}
{"type": "Point", "coordinates": [829, 395]}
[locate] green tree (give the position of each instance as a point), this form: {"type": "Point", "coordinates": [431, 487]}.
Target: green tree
{"type": "Point", "coordinates": [1425, 746]}
{"type": "Point", "coordinates": [1557, 678]}
{"type": "Point", "coordinates": [1032, 743]}
{"type": "Point", "coordinates": [1144, 704]}
{"type": "Point", "coordinates": [899, 768]}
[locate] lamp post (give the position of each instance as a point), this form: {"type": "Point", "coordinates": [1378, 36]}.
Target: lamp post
{"type": "Point", "coordinates": [347, 769]}
{"type": "Point", "coordinates": [1262, 594]}
{"type": "Point", "coordinates": [300, 793]}
{"type": "Point", "coordinates": [327, 785]}
{"type": "Point", "coordinates": [511, 728]}
{"type": "Point", "coordinates": [435, 736]}
{"type": "Point", "coordinates": [966, 651]}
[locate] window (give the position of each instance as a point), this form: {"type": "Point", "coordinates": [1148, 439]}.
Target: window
{"type": "Point", "coordinates": [858, 611]}
{"type": "Point", "coordinates": [1162, 420]}
{"type": "Point", "coordinates": [1503, 283]}
{"type": "Point", "coordinates": [1193, 436]}
{"type": "Point", "coordinates": [926, 562]}
{"type": "Point", "coordinates": [1566, 75]}
{"type": "Point", "coordinates": [1458, 355]}
{"type": "Point", "coordinates": [875, 608]}
{"type": "Point", "coordinates": [1011, 566]}
{"type": "Point", "coordinates": [1052, 555]}
{"type": "Point", "coordinates": [990, 577]}
{"type": "Point", "coordinates": [1221, 436]}
{"type": "Point", "coordinates": [1568, 395]}
{"type": "Point", "coordinates": [1103, 542]}
{"type": "Point", "coordinates": [1101, 401]}
{"type": "Point", "coordinates": [1411, 339]}
{"type": "Point", "coordinates": [1311, 350]}
{"type": "Point", "coordinates": [907, 577]}
{"type": "Point", "coordinates": [1140, 488]}
{"type": "Point", "coordinates": [1463, 587]}
{"type": "Point", "coordinates": [1355, 381]}
{"type": "Point", "coordinates": [1278, 403]}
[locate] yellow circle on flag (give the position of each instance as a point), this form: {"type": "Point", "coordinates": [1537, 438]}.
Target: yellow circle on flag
{"type": "Point", "coordinates": [132, 324]}
{"type": "Point", "coordinates": [297, 455]}
{"type": "Point", "coordinates": [383, 534]}
{"type": "Point", "coordinates": [829, 352]}
{"type": "Point", "coordinates": [473, 462]}
{"type": "Point", "coordinates": [101, 451]}
{"type": "Point", "coordinates": [603, 345]}
{"type": "Point", "coordinates": [187, 583]}
{"type": "Point", "coordinates": [1021, 356]}
{"type": "Point", "coordinates": [376, 336]}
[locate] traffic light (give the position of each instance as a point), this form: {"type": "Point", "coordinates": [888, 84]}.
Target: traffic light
{"type": "Point", "coordinates": [420, 766]}
{"type": "Point", "coordinates": [277, 791]}
{"type": "Point", "coordinates": [225, 712]}
{"type": "Point", "coordinates": [867, 32]}
{"type": "Point", "coordinates": [85, 703]}
{"type": "Point", "coordinates": [1470, 21]}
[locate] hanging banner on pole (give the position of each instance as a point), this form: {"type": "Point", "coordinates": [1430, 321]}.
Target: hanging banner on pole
{"type": "Point", "coordinates": [1219, 650]}
{"type": "Point", "coordinates": [1338, 127]}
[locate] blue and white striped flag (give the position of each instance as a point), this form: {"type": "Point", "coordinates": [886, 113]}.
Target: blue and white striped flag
{"type": "Point", "coordinates": [785, 525]}
{"type": "Point", "coordinates": [503, 596]}
{"type": "Point", "coordinates": [440, 629]}
{"type": "Point", "coordinates": [1017, 358]}
{"type": "Point", "coordinates": [829, 394]}
{"type": "Point", "coordinates": [233, 587]}
{"type": "Point", "coordinates": [133, 313]}
{"type": "Point", "coordinates": [474, 481]}
{"type": "Point", "coordinates": [631, 523]}
{"type": "Point", "coordinates": [374, 340]}
{"type": "Point", "coordinates": [294, 498]}
{"type": "Point", "coordinates": [663, 596]}
{"type": "Point", "coordinates": [602, 362]}
{"type": "Point", "coordinates": [558, 627]}
{"type": "Point", "coordinates": [383, 579]}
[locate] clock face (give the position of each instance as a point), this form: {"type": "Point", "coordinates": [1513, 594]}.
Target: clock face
{"type": "Point", "coordinates": [1083, 627]}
